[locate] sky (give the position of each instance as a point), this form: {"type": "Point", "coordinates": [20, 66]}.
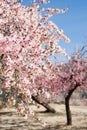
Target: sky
{"type": "Point", "coordinates": [73, 22]}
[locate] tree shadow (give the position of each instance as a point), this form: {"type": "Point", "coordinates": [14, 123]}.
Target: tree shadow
{"type": "Point", "coordinates": [6, 113]}
{"type": "Point", "coordinates": [56, 127]}
{"type": "Point", "coordinates": [64, 127]}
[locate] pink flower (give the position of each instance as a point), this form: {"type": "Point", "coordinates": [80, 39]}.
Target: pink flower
{"type": "Point", "coordinates": [0, 91]}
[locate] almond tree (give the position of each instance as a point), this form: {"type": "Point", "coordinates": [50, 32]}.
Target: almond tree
{"type": "Point", "coordinates": [75, 76]}
{"type": "Point", "coordinates": [27, 39]}
{"type": "Point", "coordinates": [72, 76]}
{"type": "Point", "coordinates": [66, 78]}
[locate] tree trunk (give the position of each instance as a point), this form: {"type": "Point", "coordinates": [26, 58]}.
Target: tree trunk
{"type": "Point", "coordinates": [48, 108]}
{"type": "Point", "coordinates": [67, 105]}
{"type": "Point", "coordinates": [68, 112]}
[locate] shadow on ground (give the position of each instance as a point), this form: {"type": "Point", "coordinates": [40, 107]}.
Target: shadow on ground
{"type": "Point", "coordinates": [55, 121]}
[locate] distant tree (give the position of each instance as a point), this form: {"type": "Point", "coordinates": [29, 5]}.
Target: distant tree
{"type": "Point", "coordinates": [75, 77]}
{"type": "Point", "coordinates": [66, 78]}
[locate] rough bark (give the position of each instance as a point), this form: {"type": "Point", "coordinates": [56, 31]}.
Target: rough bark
{"type": "Point", "coordinates": [48, 108]}
{"type": "Point", "coordinates": [67, 105]}
{"type": "Point", "coordinates": [68, 112]}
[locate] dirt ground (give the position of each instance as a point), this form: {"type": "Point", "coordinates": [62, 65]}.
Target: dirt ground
{"type": "Point", "coordinates": [11, 121]}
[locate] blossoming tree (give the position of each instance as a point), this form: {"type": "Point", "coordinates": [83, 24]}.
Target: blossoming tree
{"type": "Point", "coordinates": [67, 78]}
{"type": "Point", "coordinates": [75, 77]}
{"type": "Point", "coordinates": [27, 39]}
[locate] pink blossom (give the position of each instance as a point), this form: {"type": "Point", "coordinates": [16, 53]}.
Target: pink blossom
{"type": "Point", "coordinates": [27, 39]}
{"type": "Point", "coordinates": [0, 91]}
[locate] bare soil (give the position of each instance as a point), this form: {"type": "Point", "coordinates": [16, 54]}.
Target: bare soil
{"type": "Point", "coordinates": [55, 121]}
